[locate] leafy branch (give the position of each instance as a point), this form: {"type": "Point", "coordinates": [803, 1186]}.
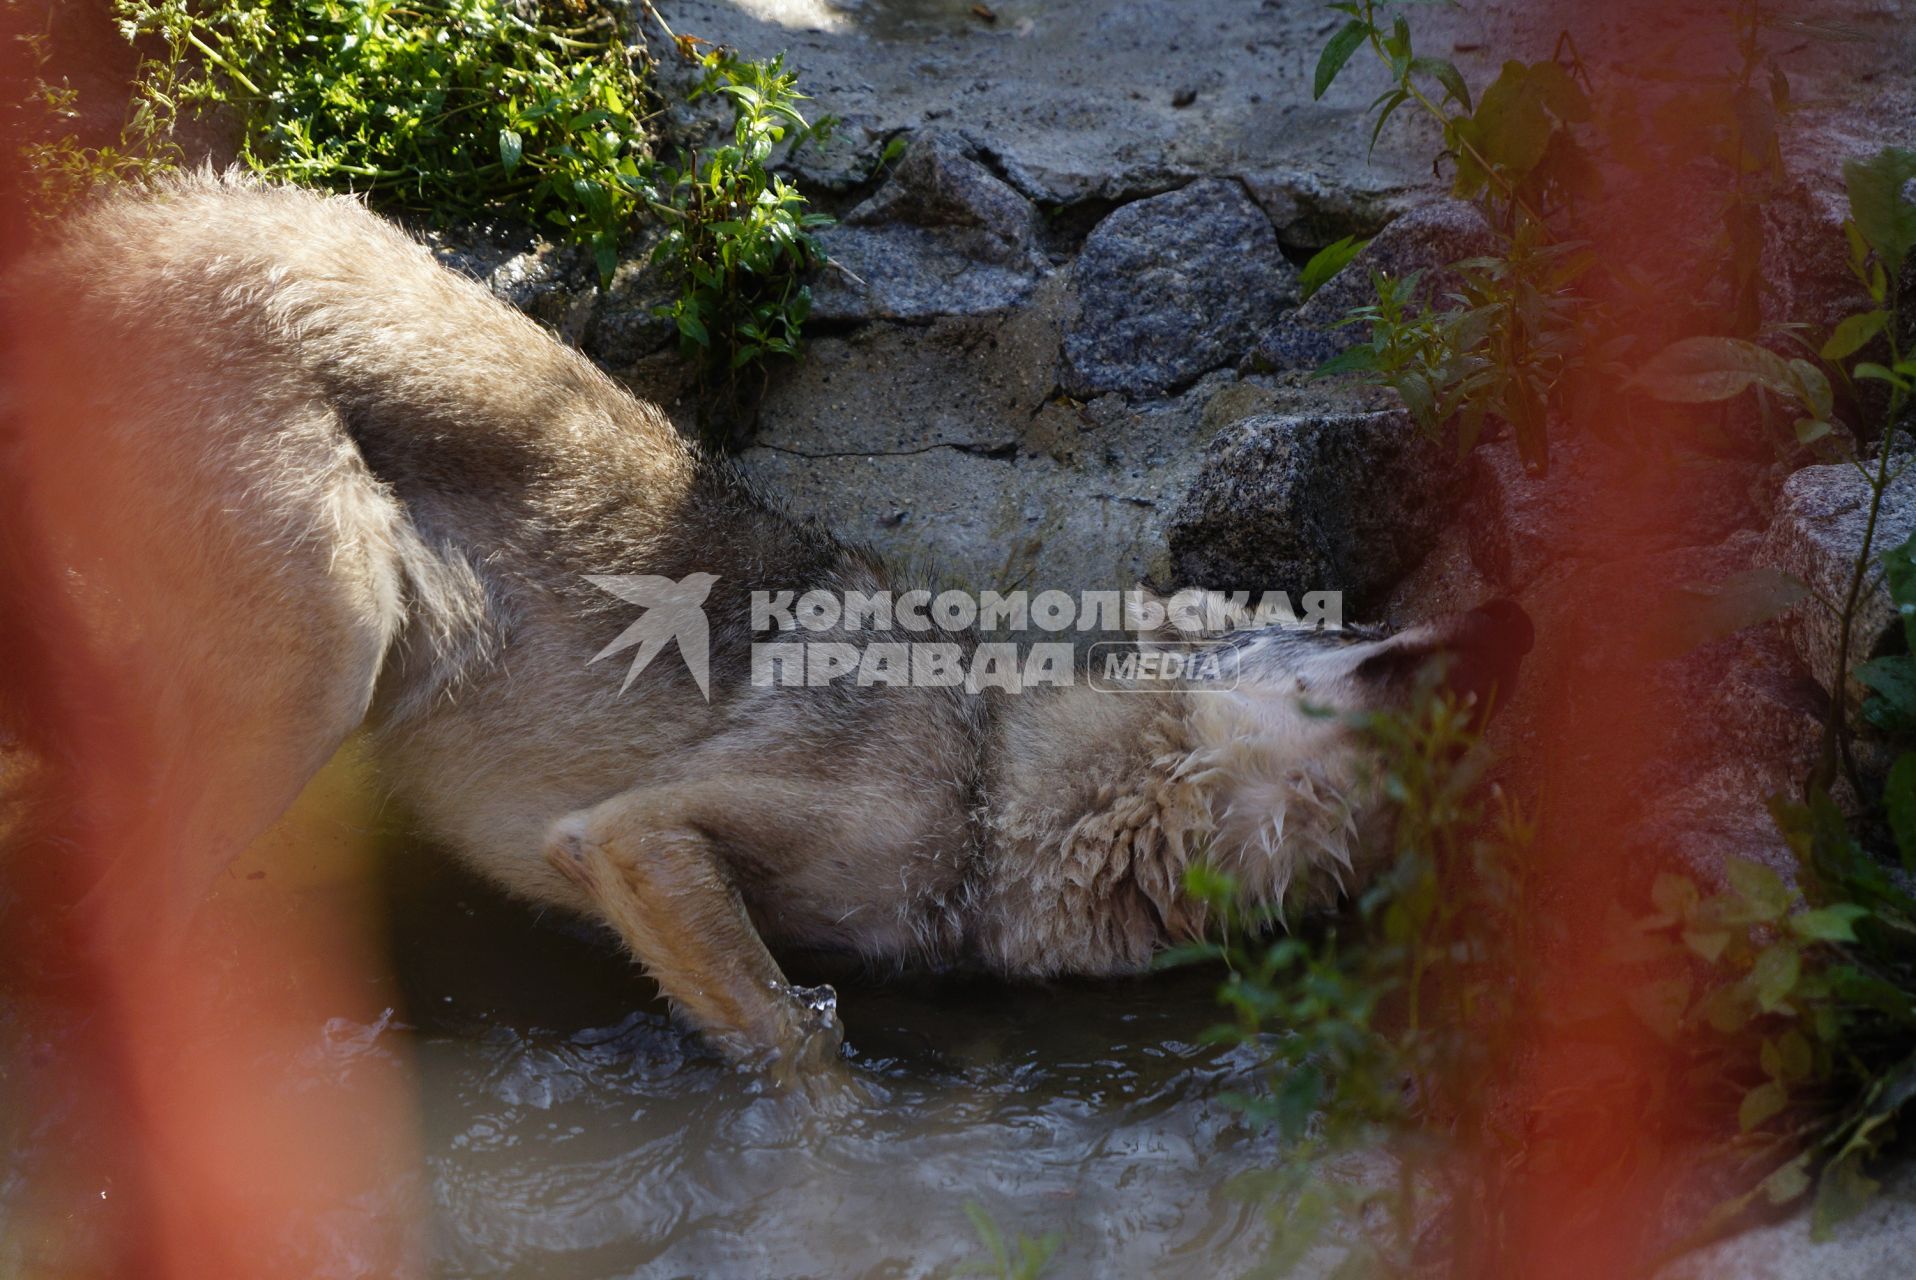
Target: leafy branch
{"type": "Point", "coordinates": [1513, 344]}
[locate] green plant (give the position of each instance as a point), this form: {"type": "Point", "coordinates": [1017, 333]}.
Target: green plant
{"type": "Point", "coordinates": [1802, 1008]}
{"type": "Point", "coordinates": [1325, 263]}
{"type": "Point", "coordinates": [456, 109]}
{"type": "Point", "coordinates": [1803, 1014]}
{"type": "Point", "coordinates": [1513, 353]}
{"type": "Point", "coordinates": [1881, 234]}
{"type": "Point", "coordinates": [1805, 1008]}
{"type": "Point", "coordinates": [449, 108]}
{"type": "Point", "coordinates": [1503, 351]}
{"type": "Point", "coordinates": [738, 237]}
{"type": "Point", "coordinates": [1384, 1035]}
{"type": "Point", "coordinates": [1026, 1259]}
{"type": "Point", "coordinates": [39, 127]}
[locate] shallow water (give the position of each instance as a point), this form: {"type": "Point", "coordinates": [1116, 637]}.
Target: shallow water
{"type": "Point", "coordinates": [567, 1130]}
{"type": "Point", "coordinates": [571, 1131]}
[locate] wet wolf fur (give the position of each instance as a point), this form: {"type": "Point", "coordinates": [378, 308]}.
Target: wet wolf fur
{"type": "Point", "coordinates": [328, 482]}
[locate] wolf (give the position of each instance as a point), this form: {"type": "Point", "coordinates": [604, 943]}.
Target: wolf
{"type": "Point", "coordinates": [300, 478]}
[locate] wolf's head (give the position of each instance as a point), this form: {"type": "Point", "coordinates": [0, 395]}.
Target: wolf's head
{"type": "Point", "coordinates": [1278, 746]}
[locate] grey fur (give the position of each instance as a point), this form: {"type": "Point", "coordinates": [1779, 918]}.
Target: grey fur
{"type": "Point", "coordinates": [373, 492]}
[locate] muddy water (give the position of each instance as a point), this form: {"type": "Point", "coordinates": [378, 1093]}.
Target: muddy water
{"type": "Point", "coordinates": [567, 1130]}
{"type": "Point", "coordinates": [571, 1131]}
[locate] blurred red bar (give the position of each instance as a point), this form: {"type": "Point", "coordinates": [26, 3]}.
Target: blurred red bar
{"type": "Point", "coordinates": [208, 1097]}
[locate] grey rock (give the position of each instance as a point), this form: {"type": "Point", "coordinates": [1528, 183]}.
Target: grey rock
{"type": "Point", "coordinates": [551, 283]}
{"type": "Point", "coordinates": [1428, 239]}
{"type": "Point", "coordinates": [1236, 399]}
{"type": "Point", "coordinates": [1310, 209]}
{"type": "Point", "coordinates": [1806, 274]}
{"type": "Point", "coordinates": [1816, 533]}
{"type": "Point", "coordinates": [1752, 733]}
{"type": "Point", "coordinates": [963, 382]}
{"type": "Point", "coordinates": [1310, 502]}
{"type": "Point", "coordinates": [1171, 287]}
{"type": "Point", "coordinates": [1445, 581]}
{"type": "Point", "coordinates": [943, 236]}
{"type": "Point", "coordinates": [1076, 96]}
{"type": "Point", "coordinates": [558, 285]}
{"type": "Point", "coordinates": [966, 461]}
{"type": "Point", "coordinates": [627, 326]}
{"type": "Point", "coordinates": [1521, 524]}
{"type": "Point", "coordinates": [845, 161]}
{"type": "Point", "coordinates": [1766, 707]}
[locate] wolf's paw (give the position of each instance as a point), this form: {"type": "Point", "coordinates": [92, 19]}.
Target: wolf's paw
{"type": "Point", "coordinates": [810, 1061]}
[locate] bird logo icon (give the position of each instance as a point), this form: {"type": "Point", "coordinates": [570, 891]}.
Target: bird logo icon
{"type": "Point", "coordinates": [673, 611]}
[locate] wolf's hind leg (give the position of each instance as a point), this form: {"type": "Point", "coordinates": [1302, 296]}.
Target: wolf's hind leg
{"type": "Point", "coordinates": [657, 878]}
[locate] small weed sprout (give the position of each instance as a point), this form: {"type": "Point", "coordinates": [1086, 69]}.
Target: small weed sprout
{"type": "Point", "coordinates": [738, 238]}
{"type": "Point", "coordinates": [1026, 1258]}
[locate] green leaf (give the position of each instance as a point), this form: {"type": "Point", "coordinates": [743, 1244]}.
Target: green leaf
{"type": "Point", "coordinates": [1661, 1005]}
{"type": "Point", "coordinates": [1675, 896]}
{"type": "Point", "coordinates": [1760, 890]}
{"type": "Point", "coordinates": [1899, 803]}
{"type": "Point", "coordinates": [511, 149]}
{"type": "Point", "coordinates": [1787, 1183]}
{"type": "Point", "coordinates": [1337, 53]}
{"type": "Point", "coordinates": [1876, 203]}
{"type": "Point", "coordinates": [989, 1235]}
{"type": "Point", "coordinates": [1708, 944]}
{"type": "Point", "coordinates": [1810, 430]}
{"type": "Point", "coordinates": [1446, 75]}
{"type": "Point", "coordinates": [1359, 359]}
{"type": "Point", "coordinates": [1703, 370]}
{"type": "Point", "coordinates": [1391, 102]}
{"type": "Point", "coordinates": [1760, 1105]}
{"type": "Point", "coordinates": [1795, 1059]}
{"type": "Point", "coordinates": [1415, 391]}
{"type": "Point", "coordinates": [1834, 923]}
{"type": "Point", "coordinates": [1397, 45]}
{"type": "Point", "coordinates": [1728, 1009]}
{"type": "Point", "coordinates": [1893, 680]}
{"type": "Point", "coordinates": [1297, 1100]}
{"type": "Point", "coordinates": [1899, 572]}
{"type": "Point", "coordinates": [1326, 263]}
{"type": "Point", "coordinates": [1841, 1192]}
{"type": "Point", "coordinates": [1870, 369]}
{"type": "Point", "coordinates": [1812, 388]}
{"type": "Point", "coordinates": [1853, 334]}
{"type": "Point", "coordinates": [1775, 974]}
{"type": "Point", "coordinates": [1856, 986]}
{"type": "Point", "coordinates": [690, 325]}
